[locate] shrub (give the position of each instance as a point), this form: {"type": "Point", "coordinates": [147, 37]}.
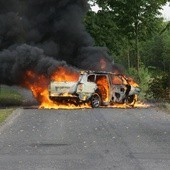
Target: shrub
{"type": "Point", "coordinates": [159, 87]}
{"type": "Point", "coordinates": [142, 77]}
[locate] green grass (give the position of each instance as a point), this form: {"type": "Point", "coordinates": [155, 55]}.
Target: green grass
{"type": "Point", "coordinates": [9, 97]}
{"type": "Point", "coordinates": [4, 113]}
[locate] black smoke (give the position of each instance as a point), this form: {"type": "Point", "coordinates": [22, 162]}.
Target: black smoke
{"type": "Point", "coordinates": [15, 63]}
{"type": "Point", "coordinates": [42, 35]}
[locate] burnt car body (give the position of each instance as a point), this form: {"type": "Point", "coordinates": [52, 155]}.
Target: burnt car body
{"type": "Point", "coordinates": [97, 87]}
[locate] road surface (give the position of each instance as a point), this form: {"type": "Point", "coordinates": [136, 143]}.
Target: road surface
{"type": "Point", "coordinates": [86, 139]}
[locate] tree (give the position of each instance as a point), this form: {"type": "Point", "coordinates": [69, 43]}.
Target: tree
{"type": "Point", "coordinates": [156, 51]}
{"type": "Point", "coordinates": [135, 19]}
{"type": "Point", "coordinates": [102, 28]}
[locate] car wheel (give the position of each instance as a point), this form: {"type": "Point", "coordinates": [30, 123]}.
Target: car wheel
{"type": "Point", "coordinates": [131, 100]}
{"type": "Point", "coordinates": [95, 100]}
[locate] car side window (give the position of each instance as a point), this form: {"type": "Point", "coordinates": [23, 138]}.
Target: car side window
{"type": "Point", "coordinates": [117, 80]}
{"type": "Point", "coordinates": [91, 78]}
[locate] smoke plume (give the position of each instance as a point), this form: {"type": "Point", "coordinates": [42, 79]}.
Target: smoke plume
{"type": "Point", "coordinates": [42, 35]}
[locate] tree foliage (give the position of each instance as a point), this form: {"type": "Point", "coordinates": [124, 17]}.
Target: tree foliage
{"type": "Point", "coordinates": [156, 52]}
{"type": "Point", "coordinates": [134, 33]}
{"type": "Point", "coordinates": [135, 20]}
{"type": "Point", "coordinates": [128, 13]}
{"type": "Point", "coordinates": [102, 27]}
{"type": "Point", "coordinates": [158, 87]}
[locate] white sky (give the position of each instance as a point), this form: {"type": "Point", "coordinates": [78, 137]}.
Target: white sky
{"type": "Point", "coordinates": [165, 11]}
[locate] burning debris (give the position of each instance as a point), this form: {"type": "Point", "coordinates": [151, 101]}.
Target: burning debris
{"type": "Point", "coordinates": [95, 88]}
{"type": "Point", "coordinates": [48, 43]}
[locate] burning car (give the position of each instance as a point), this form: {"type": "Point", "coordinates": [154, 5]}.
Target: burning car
{"type": "Point", "coordinates": [97, 87]}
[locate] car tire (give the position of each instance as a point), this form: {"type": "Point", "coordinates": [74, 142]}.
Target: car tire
{"type": "Point", "coordinates": [95, 100]}
{"type": "Point", "coordinates": [131, 100]}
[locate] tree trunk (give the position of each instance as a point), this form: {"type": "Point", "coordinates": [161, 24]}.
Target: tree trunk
{"type": "Point", "coordinates": [137, 39]}
{"type": "Point", "coordinates": [137, 54]}
{"type": "Point", "coordinates": [169, 85]}
{"type": "Point", "coordinates": [128, 58]}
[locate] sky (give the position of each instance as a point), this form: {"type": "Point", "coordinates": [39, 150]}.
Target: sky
{"type": "Point", "coordinates": [165, 11]}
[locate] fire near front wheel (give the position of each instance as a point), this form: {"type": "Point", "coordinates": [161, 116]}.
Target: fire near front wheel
{"type": "Point", "coordinates": [95, 100]}
{"type": "Point", "coordinates": [131, 100]}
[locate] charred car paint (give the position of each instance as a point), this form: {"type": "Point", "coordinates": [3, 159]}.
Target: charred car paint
{"type": "Point", "coordinates": [98, 88]}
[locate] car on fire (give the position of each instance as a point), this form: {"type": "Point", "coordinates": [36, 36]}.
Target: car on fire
{"type": "Point", "coordinates": [99, 88]}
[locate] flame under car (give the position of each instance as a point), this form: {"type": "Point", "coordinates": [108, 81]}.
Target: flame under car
{"type": "Point", "coordinates": [97, 88]}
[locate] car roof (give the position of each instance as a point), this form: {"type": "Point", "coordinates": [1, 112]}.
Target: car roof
{"type": "Point", "coordinates": [99, 72]}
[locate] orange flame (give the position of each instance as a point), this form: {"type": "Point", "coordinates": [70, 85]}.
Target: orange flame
{"type": "Point", "coordinates": [103, 85]}
{"type": "Point", "coordinates": [132, 82]}
{"type": "Point", "coordinates": [38, 84]}
{"type": "Point", "coordinates": [138, 104]}
{"type": "Point", "coordinates": [118, 80]}
{"type": "Point", "coordinates": [62, 74]}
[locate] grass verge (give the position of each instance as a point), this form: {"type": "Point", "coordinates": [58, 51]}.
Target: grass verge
{"type": "Point", "coordinates": [9, 97]}
{"type": "Point", "coordinates": [4, 113]}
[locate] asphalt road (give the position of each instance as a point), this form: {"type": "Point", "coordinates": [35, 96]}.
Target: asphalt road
{"type": "Point", "coordinates": [88, 139]}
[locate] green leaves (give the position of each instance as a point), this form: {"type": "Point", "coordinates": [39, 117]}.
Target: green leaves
{"type": "Point", "coordinates": [133, 20]}
{"type": "Point", "coordinates": [102, 28]}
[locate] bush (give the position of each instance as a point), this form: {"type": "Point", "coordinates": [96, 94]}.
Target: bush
{"type": "Point", "coordinates": [142, 78]}
{"type": "Point", "coordinates": [159, 87]}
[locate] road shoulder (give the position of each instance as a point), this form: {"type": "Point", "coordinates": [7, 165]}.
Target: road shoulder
{"type": "Point", "coordinates": [10, 119]}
